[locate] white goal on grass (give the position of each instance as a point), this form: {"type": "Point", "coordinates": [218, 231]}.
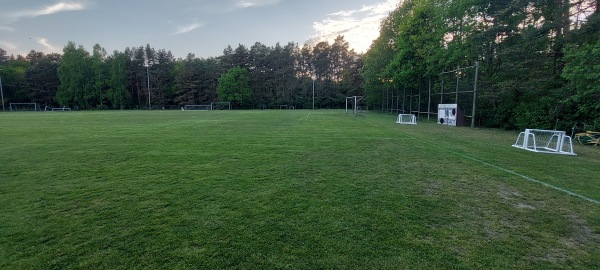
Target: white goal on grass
{"type": "Point", "coordinates": [196, 108]}
{"type": "Point", "coordinates": [24, 107]}
{"type": "Point", "coordinates": [545, 141]}
{"type": "Point", "coordinates": [354, 103]}
{"type": "Point", "coordinates": [410, 119]}
{"type": "Point", "coordinates": [59, 109]}
{"type": "Point", "coordinates": [220, 105]}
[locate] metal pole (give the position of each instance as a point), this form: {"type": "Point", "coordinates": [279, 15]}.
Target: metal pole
{"type": "Point", "coordinates": [2, 93]}
{"type": "Point", "coordinates": [457, 83]}
{"type": "Point", "coordinates": [346, 105]}
{"type": "Point", "coordinates": [313, 94]}
{"type": "Point", "coordinates": [148, 75]}
{"type": "Point", "coordinates": [429, 100]}
{"type": "Point", "coordinates": [475, 94]}
{"type": "Point", "coordinates": [442, 91]}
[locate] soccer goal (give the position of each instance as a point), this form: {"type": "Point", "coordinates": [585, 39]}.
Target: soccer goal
{"type": "Point", "coordinates": [545, 141]}
{"type": "Point", "coordinates": [220, 105]}
{"type": "Point", "coordinates": [196, 108]}
{"type": "Point", "coordinates": [59, 109]}
{"type": "Point", "coordinates": [410, 119]}
{"type": "Point", "coordinates": [354, 105]}
{"type": "Point", "coordinates": [24, 107]}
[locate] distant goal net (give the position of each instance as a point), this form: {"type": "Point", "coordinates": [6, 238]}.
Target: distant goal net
{"type": "Point", "coordinates": [24, 107]}
{"type": "Point", "coordinates": [409, 119]}
{"type": "Point", "coordinates": [220, 105]}
{"type": "Point", "coordinates": [545, 141]}
{"type": "Point", "coordinates": [196, 108]}
{"type": "Point", "coordinates": [57, 109]}
{"type": "Point", "coordinates": [355, 105]}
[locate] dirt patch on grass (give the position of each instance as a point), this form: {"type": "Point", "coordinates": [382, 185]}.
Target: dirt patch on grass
{"type": "Point", "coordinates": [581, 233]}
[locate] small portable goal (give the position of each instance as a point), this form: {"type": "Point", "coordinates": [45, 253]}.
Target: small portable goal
{"type": "Point", "coordinates": [545, 141]}
{"type": "Point", "coordinates": [409, 119]}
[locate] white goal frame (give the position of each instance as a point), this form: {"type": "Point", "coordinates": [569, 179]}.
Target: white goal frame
{"type": "Point", "coordinates": [196, 108]}
{"type": "Point", "coordinates": [14, 107]}
{"type": "Point", "coordinates": [409, 119]}
{"type": "Point", "coordinates": [353, 102]}
{"type": "Point", "coordinates": [58, 109]}
{"type": "Point", "coordinates": [545, 141]}
{"type": "Point", "coordinates": [217, 105]}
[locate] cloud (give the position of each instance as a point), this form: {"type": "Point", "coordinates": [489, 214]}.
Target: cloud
{"type": "Point", "coordinates": [47, 10]}
{"type": "Point", "coordinates": [59, 7]}
{"type": "Point", "coordinates": [7, 29]}
{"type": "Point", "coordinates": [226, 6]}
{"type": "Point", "coordinates": [44, 42]}
{"type": "Point", "coordinates": [255, 3]}
{"type": "Point", "coordinates": [187, 28]}
{"type": "Point", "coordinates": [8, 45]}
{"type": "Point", "coordinates": [359, 27]}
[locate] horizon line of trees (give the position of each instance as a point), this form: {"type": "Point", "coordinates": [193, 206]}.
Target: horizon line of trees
{"type": "Point", "coordinates": [538, 59]}
{"type": "Point", "coordinates": [538, 66]}
{"type": "Point", "coordinates": [142, 76]}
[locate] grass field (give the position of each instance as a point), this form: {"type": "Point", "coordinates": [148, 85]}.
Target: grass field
{"type": "Point", "coordinates": [286, 189]}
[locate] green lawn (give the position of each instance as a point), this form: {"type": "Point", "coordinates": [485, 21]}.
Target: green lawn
{"type": "Point", "coordinates": [286, 189]}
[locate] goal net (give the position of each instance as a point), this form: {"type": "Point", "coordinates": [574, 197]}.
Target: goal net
{"type": "Point", "coordinates": [24, 107]}
{"type": "Point", "coordinates": [196, 108]}
{"type": "Point", "coordinates": [545, 141]}
{"type": "Point", "coordinates": [58, 109]}
{"type": "Point", "coordinates": [410, 119]}
{"type": "Point", "coordinates": [355, 105]}
{"type": "Point", "coordinates": [220, 105]}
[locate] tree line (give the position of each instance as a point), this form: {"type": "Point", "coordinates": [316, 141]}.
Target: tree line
{"type": "Point", "coordinates": [538, 66]}
{"type": "Point", "coordinates": [538, 59]}
{"type": "Point", "coordinates": [260, 76]}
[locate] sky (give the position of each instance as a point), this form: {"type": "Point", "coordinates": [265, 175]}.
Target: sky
{"type": "Point", "coordinates": [202, 27]}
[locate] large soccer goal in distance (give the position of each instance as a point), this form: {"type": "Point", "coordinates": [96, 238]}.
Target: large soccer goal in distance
{"type": "Point", "coordinates": [545, 141]}
{"type": "Point", "coordinates": [57, 109]}
{"type": "Point", "coordinates": [24, 107]}
{"type": "Point", "coordinates": [220, 105]}
{"type": "Point", "coordinates": [355, 104]}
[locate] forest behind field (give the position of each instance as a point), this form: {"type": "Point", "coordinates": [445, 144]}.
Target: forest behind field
{"type": "Point", "coordinates": [537, 64]}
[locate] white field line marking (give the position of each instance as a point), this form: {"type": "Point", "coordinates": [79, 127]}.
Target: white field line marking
{"type": "Point", "coordinates": [530, 179]}
{"type": "Point", "coordinates": [514, 173]}
{"type": "Point", "coordinates": [306, 119]}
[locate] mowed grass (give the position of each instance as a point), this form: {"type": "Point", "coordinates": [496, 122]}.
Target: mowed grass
{"type": "Point", "coordinates": [286, 189]}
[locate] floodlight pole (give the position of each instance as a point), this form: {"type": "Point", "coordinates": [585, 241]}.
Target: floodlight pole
{"type": "Point", "coordinates": [313, 94]}
{"type": "Point", "coordinates": [148, 75]}
{"type": "Point", "coordinates": [2, 93]}
{"type": "Point", "coordinates": [475, 94]}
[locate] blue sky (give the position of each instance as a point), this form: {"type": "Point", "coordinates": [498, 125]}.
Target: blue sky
{"type": "Point", "coordinates": [201, 27]}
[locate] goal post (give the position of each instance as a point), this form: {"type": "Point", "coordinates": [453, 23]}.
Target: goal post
{"type": "Point", "coordinates": [220, 105]}
{"type": "Point", "coordinates": [57, 109]}
{"type": "Point", "coordinates": [196, 108]}
{"type": "Point", "coordinates": [24, 107]}
{"type": "Point", "coordinates": [353, 104]}
{"type": "Point", "coordinates": [409, 119]}
{"type": "Point", "coordinates": [545, 141]}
